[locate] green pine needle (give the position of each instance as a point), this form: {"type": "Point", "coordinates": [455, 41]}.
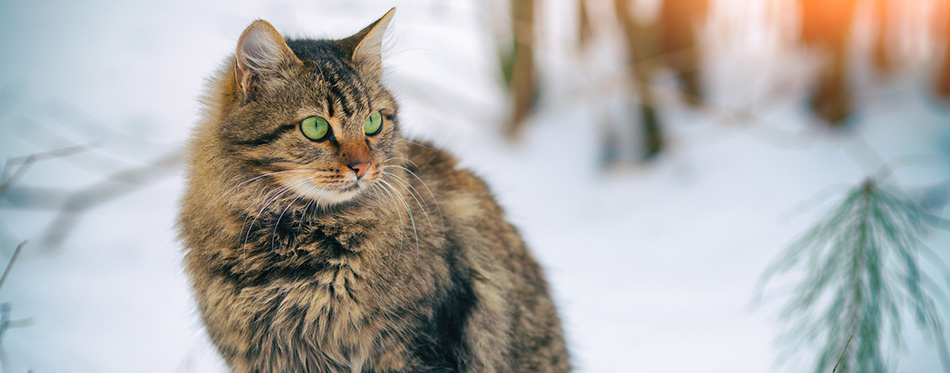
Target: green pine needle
{"type": "Point", "coordinates": [861, 266]}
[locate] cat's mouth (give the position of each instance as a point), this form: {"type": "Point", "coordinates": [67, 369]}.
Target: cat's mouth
{"type": "Point", "coordinates": [327, 195]}
{"type": "Point", "coordinates": [351, 187]}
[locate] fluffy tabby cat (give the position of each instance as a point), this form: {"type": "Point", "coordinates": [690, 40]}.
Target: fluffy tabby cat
{"type": "Point", "coordinates": [319, 239]}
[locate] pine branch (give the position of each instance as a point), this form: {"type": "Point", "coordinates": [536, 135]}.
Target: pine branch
{"type": "Point", "coordinates": [862, 269]}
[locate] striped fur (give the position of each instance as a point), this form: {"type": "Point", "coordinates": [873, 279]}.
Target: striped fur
{"type": "Point", "coordinates": [299, 266]}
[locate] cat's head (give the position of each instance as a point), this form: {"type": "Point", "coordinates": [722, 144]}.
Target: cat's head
{"type": "Point", "coordinates": [312, 115]}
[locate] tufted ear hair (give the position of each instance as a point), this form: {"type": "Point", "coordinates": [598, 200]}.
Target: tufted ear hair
{"type": "Point", "coordinates": [365, 47]}
{"type": "Point", "coordinates": [260, 49]}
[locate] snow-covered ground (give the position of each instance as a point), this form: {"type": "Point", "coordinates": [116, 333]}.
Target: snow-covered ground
{"type": "Point", "coordinates": [653, 265]}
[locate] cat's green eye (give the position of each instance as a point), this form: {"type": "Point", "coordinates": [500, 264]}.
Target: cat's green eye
{"type": "Point", "coordinates": [373, 124]}
{"type": "Point", "coordinates": [315, 128]}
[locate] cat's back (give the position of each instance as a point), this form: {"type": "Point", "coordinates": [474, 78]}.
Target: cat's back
{"type": "Point", "coordinates": [507, 279]}
{"type": "Point", "coordinates": [461, 195]}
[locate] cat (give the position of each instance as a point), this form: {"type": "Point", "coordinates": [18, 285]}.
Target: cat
{"type": "Point", "coordinates": [319, 239]}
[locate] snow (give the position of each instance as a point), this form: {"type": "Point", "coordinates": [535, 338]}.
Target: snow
{"type": "Point", "coordinates": [652, 265]}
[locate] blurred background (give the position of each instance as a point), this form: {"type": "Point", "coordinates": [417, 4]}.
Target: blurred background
{"type": "Point", "coordinates": [711, 185]}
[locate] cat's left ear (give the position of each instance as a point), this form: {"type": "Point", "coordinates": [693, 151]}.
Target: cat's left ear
{"type": "Point", "coordinates": [367, 44]}
{"type": "Point", "coordinates": [260, 50]}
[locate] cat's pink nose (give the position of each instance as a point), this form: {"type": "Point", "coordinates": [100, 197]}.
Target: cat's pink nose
{"type": "Point", "coordinates": [359, 167]}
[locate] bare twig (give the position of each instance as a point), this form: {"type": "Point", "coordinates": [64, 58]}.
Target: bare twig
{"type": "Point", "coordinates": [6, 271]}
{"type": "Point", "coordinates": [117, 184]}
{"type": "Point", "coordinates": [5, 322]}
{"type": "Point", "coordinates": [26, 162]}
{"type": "Point", "coordinates": [842, 354]}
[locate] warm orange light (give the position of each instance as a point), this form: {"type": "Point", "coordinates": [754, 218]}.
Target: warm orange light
{"type": "Point", "coordinates": [826, 21]}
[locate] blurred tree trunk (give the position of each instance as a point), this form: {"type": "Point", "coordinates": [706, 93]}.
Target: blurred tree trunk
{"type": "Point", "coordinates": [826, 26]}
{"type": "Point", "coordinates": [520, 73]}
{"type": "Point", "coordinates": [584, 30]}
{"type": "Point", "coordinates": [942, 84]}
{"type": "Point", "coordinates": [671, 40]}
{"type": "Point", "coordinates": [640, 41]}
{"type": "Point", "coordinates": [679, 24]}
{"type": "Point", "coordinates": [882, 58]}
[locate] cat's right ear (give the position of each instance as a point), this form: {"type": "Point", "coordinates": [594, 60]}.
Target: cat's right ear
{"type": "Point", "coordinates": [260, 49]}
{"type": "Point", "coordinates": [366, 46]}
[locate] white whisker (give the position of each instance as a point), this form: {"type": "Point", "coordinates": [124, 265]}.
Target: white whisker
{"type": "Point", "coordinates": [303, 215]}
{"type": "Point", "coordinates": [277, 195]}
{"type": "Point", "coordinates": [281, 216]}
{"type": "Point", "coordinates": [406, 205]}
{"type": "Point", "coordinates": [383, 191]}
{"type": "Point", "coordinates": [379, 189]}
{"type": "Point", "coordinates": [412, 193]}
{"type": "Point", "coordinates": [255, 178]}
{"type": "Point", "coordinates": [434, 199]}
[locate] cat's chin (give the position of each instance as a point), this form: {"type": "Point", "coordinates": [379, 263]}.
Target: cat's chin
{"type": "Point", "coordinates": [329, 196]}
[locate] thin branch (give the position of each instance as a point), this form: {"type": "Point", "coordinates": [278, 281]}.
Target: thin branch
{"type": "Point", "coordinates": [114, 186]}
{"type": "Point", "coordinates": [842, 354]}
{"type": "Point", "coordinates": [26, 162]}
{"type": "Point", "coordinates": [5, 322]}
{"type": "Point", "coordinates": [6, 271]}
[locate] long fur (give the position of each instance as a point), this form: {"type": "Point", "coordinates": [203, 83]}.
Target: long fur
{"type": "Point", "coordinates": [415, 271]}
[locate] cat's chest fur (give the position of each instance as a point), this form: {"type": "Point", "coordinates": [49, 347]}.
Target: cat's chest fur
{"type": "Point", "coordinates": [340, 283]}
{"type": "Point", "coordinates": [337, 257]}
